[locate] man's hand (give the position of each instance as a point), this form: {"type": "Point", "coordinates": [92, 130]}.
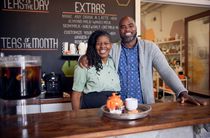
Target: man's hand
{"type": "Point", "coordinates": [185, 97]}
{"type": "Point", "coordinates": [83, 61]}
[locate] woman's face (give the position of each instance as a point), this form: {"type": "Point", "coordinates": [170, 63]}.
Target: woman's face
{"type": "Point", "coordinates": [103, 46]}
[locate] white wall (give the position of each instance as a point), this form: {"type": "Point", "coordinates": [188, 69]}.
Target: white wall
{"type": "Point", "coordinates": [165, 18]}
{"type": "Point", "coordinates": [197, 3]}
{"type": "Point", "coordinates": [138, 16]}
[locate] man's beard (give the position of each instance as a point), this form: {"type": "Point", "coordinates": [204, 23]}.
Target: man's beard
{"type": "Point", "coordinates": [127, 39]}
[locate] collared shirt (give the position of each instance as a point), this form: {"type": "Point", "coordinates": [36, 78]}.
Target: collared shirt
{"type": "Point", "coordinates": [150, 56]}
{"type": "Point", "coordinates": [89, 80]}
{"type": "Point", "coordinates": [129, 73]}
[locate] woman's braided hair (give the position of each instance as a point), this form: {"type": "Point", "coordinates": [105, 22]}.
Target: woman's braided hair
{"type": "Point", "coordinates": [93, 58]}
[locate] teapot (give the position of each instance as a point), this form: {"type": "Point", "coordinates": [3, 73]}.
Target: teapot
{"type": "Point", "coordinates": [114, 102]}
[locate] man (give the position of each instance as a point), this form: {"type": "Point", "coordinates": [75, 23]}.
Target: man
{"type": "Point", "coordinates": [135, 58]}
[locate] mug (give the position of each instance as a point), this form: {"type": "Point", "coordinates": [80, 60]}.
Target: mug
{"type": "Point", "coordinates": [73, 48]}
{"type": "Point", "coordinates": [131, 104]}
{"type": "Point", "coordinates": [82, 48]}
{"type": "Point", "coordinates": [65, 48]}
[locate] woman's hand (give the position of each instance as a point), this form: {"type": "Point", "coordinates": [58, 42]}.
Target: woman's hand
{"type": "Point", "coordinates": [83, 61]}
{"type": "Point", "coordinates": [185, 97]}
{"type": "Point", "coordinates": [75, 100]}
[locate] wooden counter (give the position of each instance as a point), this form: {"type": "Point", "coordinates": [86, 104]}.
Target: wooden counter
{"type": "Point", "coordinates": [90, 123]}
{"type": "Point", "coordinates": [55, 100]}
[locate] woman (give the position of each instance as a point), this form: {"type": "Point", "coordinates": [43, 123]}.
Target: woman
{"type": "Point", "coordinates": [92, 86]}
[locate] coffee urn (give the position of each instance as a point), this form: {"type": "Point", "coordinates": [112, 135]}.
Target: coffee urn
{"type": "Point", "coordinates": [52, 85]}
{"type": "Point", "coordinates": [20, 84]}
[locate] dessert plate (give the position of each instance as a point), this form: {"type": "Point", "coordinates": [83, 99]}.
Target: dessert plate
{"type": "Point", "coordinates": [143, 109]}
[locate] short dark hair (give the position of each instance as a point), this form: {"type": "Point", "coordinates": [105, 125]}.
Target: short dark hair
{"type": "Point", "coordinates": [93, 58]}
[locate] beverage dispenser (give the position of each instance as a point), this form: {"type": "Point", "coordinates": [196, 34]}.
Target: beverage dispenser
{"type": "Point", "coordinates": [20, 77]}
{"type": "Point", "coordinates": [20, 84]}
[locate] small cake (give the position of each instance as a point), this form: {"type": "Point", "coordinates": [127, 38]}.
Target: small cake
{"type": "Point", "coordinates": [115, 104]}
{"type": "Point", "coordinates": [133, 112]}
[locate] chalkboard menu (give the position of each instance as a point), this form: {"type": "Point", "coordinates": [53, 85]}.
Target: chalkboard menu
{"type": "Point", "coordinates": [40, 27]}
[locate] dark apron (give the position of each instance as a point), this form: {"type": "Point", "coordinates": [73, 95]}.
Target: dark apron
{"type": "Point", "coordinates": [95, 99]}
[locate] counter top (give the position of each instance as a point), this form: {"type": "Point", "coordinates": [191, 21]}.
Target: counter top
{"type": "Point", "coordinates": [91, 123]}
{"type": "Point", "coordinates": [55, 100]}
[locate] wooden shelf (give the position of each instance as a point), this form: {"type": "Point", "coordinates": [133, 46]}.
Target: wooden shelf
{"type": "Point", "coordinates": [162, 86]}
{"type": "Point", "coordinates": [166, 42]}
{"type": "Point", "coordinates": [172, 54]}
{"type": "Point", "coordinates": [70, 57]}
{"type": "Point", "coordinates": [173, 51]}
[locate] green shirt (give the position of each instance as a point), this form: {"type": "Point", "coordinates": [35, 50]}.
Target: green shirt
{"type": "Point", "coordinates": [87, 80]}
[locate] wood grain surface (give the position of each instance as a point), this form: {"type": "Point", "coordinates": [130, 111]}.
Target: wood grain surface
{"type": "Point", "coordinates": [91, 123]}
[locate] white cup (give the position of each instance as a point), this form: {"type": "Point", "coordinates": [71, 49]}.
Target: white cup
{"type": "Point", "coordinates": [131, 104]}
{"type": "Point", "coordinates": [65, 47]}
{"type": "Point", "coordinates": [82, 48]}
{"type": "Point", "coordinates": [73, 48]}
